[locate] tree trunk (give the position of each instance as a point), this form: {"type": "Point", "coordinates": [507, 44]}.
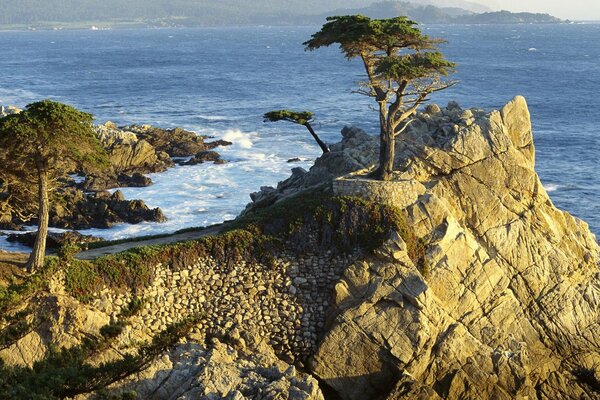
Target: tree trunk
{"type": "Point", "coordinates": [36, 259]}
{"type": "Point", "coordinates": [321, 144]}
{"type": "Point", "coordinates": [386, 145]}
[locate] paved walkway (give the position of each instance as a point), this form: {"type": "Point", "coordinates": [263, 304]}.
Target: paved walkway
{"type": "Point", "coordinates": [178, 237]}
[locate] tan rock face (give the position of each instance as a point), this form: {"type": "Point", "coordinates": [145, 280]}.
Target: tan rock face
{"type": "Point", "coordinates": [127, 152]}
{"type": "Point", "coordinates": [220, 371]}
{"type": "Point", "coordinates": [510, 306]}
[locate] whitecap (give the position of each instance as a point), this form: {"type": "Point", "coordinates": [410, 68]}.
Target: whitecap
{"type": "Point", "coordinates": [532, 49]}
{"type": "Point", "coordinates": [551, 187]}
{"type": "Point", "coordinates": [213, 117]}
{"type": "Point", "coordinates": [239, 138]}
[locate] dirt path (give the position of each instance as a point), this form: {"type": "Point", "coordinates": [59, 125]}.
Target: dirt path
{"type": "Point", "coordinates": [178, 237]}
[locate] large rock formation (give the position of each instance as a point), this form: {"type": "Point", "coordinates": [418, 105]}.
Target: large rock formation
{"type": "Point", "coordinates": [76, 210]}
{"type": "Point", "coordinates": [506, 303]}
{"type": "Point", "coordinates": [502, 303]}
{"type": "Point", "coordinates": [221, 371]}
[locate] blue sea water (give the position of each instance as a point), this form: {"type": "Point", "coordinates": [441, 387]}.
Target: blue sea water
{"type": "Point", "coordinates": [219, 82]}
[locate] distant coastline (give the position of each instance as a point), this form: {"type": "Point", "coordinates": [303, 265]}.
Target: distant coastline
{"type": "Point", "coordinates": [190, 17]}
{"type": "Point", "coordinates": [107, 26]}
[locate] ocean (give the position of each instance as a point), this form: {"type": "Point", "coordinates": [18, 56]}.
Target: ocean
{"type": "Point", "coordinates": [220, 81]}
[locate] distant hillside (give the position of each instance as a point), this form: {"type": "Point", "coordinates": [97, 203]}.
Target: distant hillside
{"type": "Point", "coordinates": [465, 5]}
{"type": "Point", "coordinates": [506, 17]}
{"type": "Point", "coordinates": [79, 13]}
{"type": "Point", "coordinates": [443, 15]}
{"type": "Point", "coordinates": [200, 11]}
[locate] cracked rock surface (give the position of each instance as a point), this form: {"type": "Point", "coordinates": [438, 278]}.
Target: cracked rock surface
{"type": "Point", "coordinates": [509, 305]}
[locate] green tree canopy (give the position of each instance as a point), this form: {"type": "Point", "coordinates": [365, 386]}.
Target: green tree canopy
{"type": "Point", "coordinates": [46, 141]}
{"type": "Point", "coordinates": [297, 117]}
{"type": "Point", "coordinates": [301, 118]}
{"type": "Point", "coordinates": [402, 65]}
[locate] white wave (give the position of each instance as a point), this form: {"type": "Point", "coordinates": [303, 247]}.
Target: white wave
{"type": "Point", "coordinates": [239, 138]}
{"type": "Point", "coordinates": [532, 49]}
{"type": "Point", "coordinates": [213, 117]}
{"type": "Point", "coordinates": [17, 97]}
{"type": "Point", "coordinates": [551, 187]}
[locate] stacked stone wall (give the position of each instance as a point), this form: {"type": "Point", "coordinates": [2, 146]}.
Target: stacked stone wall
{"type": "Point", "coordinates": [284, 304]}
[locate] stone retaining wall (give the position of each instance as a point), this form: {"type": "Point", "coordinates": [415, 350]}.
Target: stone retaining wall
{"type": "Point", "coordinates": [396, 193]}
{"type": "Point", "coordinates": [284, 304]}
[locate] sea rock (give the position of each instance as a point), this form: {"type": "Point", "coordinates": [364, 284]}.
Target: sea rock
{"type": "Point", "coordinates": [121, 180]}
{"type": "Point", "coordinates": [505, 303]}
{"type": "Point", "coordinates": [54, 240]}
{"type": "Point", "coordinates": [139, 149]}
{"type": "Point", "coordinates": [175, 142]}
{"type": "Point", "coordinates": [129, 156]}
{"type": "Point", "coordinates": [77, 210]}
{"type": "Point", "coordinates": [204, 156]}
{"type": "Point", "coordinates": [8, 110]}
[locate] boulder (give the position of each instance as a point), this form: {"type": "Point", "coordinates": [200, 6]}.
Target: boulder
{"type": "Point", "coordinates": [175, 142]}
{"type": "Point", "coordinates": [204, 156]}
{"type": "Point", "coordinates": [139, 149]}
{"type": "Point", "coordinates": [129, 153]}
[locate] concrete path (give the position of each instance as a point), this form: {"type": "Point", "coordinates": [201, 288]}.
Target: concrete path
{"type": "Point", "coordinates": [178, 237]}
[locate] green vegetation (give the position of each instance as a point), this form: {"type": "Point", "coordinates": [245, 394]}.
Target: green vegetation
{"type": "Point", "coordinates": [301, 118]}
{"type": "Point", "coordinates": [44, 143]}
{"type": "Point", "coordinates": [401, 66]}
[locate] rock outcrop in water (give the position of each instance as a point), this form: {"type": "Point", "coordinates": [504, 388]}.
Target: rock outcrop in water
{"type": "Point", "coordinates": [140, 149]}
{"type": "Point", "coordinates": [133, 151]}
{"type": "Point", "coordinates": [503, 302]}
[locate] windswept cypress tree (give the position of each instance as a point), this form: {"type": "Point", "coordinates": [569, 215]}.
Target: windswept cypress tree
{"type": "Point", "coordinates": [47, 141]}
{"type": "Point", "coordinates": [402, 65]}
{"type": "Point", "coordinates": [301, 118]}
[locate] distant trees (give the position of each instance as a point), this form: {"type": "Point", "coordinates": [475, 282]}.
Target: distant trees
{"type": "Point", "coordinates": [402, 65]}
{"type": "Point", "coordinates": [44, 143]}
{"type": "Point", "coordinates": [302, 118]}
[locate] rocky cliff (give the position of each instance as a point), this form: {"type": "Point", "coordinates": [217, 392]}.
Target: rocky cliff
{"type": "Point", "coordinates": [459, 279]}
{"type": "Point", "coordinates": [508, 303]}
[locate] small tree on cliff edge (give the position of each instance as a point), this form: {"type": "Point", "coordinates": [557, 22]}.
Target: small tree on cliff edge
{"type": "Point", "coordinates": [48, 140]}
{"type": "Point", "coordinates": [402, 67]}
{"type": "Point", "coordinates": [301, 118]}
